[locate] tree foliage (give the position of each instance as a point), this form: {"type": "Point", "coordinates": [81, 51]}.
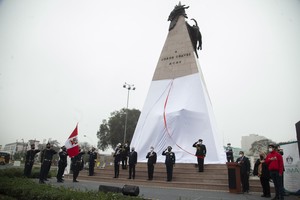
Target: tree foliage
{"type": "Point", "coordinates": [259, 146]}
{"type": "Point", "coordinates": [111, 131]}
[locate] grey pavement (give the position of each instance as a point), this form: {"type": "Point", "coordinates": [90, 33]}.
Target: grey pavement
{"type": "Point", "coordinates": [158, 193]}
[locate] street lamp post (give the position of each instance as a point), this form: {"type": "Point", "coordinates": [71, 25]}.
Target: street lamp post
{"type": "Point", "coordinates": [128, 87]}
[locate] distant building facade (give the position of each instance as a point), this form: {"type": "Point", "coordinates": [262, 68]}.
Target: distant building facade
{"type": "Point", "coordinates": [18, 147]}
{"type": "Point", "coordinates": [247, 141]}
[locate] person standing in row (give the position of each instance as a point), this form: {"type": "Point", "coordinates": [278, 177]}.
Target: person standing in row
{"type": "Point", "coordinates": [170, 162]}
{"type": "Point", "coordinates": [62, 164]}
{"type": "Point", "coordinates": [261, 170]}
{"type": "Point", "coordinates": [124, 154]}
{"type": "Point", "coordinates": [275, 165]}
{"type": "Point", "coordinates": [244, 162]}
{"type": "Point", "coordinates": [229, 153]}
{"type": "Point", "coordinates": [92, 161]}
{"type": "Point", "coordinates": [47, 155]}
{"type": "Point", "coordinates": [152, 157]}
{"type": "Point", "coordinates": [117, 159]}
{"type": "Point", "coordinates": [30, 155]}
{"type": "Point", "coordinates": [200, 153]}
{"type": "Point", "coordinates": [77, 164]}
{"type": "Point", "coordinates": [132, 162]}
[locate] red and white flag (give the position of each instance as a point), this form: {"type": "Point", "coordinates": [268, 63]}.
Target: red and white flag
{"type": "Point", "coordinates": [72, 143]}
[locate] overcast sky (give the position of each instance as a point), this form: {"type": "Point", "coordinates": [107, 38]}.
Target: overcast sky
{"type": "Point", "coordinates": [65, 61]}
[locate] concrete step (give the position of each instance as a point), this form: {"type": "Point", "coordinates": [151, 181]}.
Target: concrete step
{"type": "Point", "coordinates": [214, 177]}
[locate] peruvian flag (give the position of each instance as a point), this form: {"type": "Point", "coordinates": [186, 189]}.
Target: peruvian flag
{"type": "Point", "coordinates": [72, 143]}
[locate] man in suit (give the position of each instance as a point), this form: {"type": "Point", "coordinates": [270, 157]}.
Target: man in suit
{"type": "Point", "coordinates": [30, 154]}
{"type": "Point", "coordinates": [169, 162]}
{"type": "Point", "coordinates": [200, 153]}
{"type": "Point", "coordinates": [152, 157]}
{"type": "Point", "coordinates": [132, 162]}
{"type": "Point", "coordinates": [244, 162]}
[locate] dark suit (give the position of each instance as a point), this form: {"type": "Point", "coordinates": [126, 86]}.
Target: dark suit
{"type": "Point", "coordinates": [261, 170]}
{"type": "Point", "coordinates": [132, 162]}
{"type": "Point", "coordinates": [152, 157]}
{"type": "Point", "coordinates": [170, 162]}
{"type": "Point", "coordinates": [30, 154]}
{"type": "Point", "coordinates": [200, 153]}
{"type": "Point", "coordinates": [245, 171]}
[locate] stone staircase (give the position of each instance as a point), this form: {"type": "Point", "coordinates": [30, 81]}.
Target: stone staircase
{"type": "Point", "coordinates": [214, 177]}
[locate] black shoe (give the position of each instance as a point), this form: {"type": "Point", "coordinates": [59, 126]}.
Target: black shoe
{"type": "Point", "coordinates": [41, 182]}
{"type": "Point", "coordinates": [268, 196]}
{"type": "Point", "coordinates": [263, 195]}
{"type": "Point", "coordinates": [59, 181]}
{"type": "Point", "coordinates": [129, 178]}
{"type": "Point", "coordinates": [75, 181]}
{"type": "Point", "coordinates": [46, 179]}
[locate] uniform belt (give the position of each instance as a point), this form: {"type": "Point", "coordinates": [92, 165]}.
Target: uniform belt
{"type": "Point", "coordinates": [47, 160]}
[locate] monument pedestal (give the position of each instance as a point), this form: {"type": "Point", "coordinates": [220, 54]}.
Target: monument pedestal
{"type": "Point", "coordinates": [234, 177]}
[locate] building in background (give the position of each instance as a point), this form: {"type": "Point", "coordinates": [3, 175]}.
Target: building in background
{"type": "Point", "coordinates": [247, 141]}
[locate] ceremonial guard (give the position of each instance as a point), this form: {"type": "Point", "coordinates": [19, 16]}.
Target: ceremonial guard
{"type": "Point", "coordinates": [62, 164]}
{"type": "Point", "coordinates": [117, 159]}
{"type": "Point", "coordinates": [77, 164]}
{"type": "Point", "coordinates": [151, 162]}
{"type": "Point", "coordinates": [244, 171]}
{"type": "Point", "coordinates": [132, 162]}
{"type": "Point", "coordinates": [30, 155]}
{"type": "Point", "coordinates": [229, 153]}
{"type": "Point", "coordinates": [124, 154]}
{"type": "Point", "coordinates": [92, 160]}
{"type": "Point", "coordinates": [46, 159]}
{"type": "Point", "coordinates": [200, 153]}
{"type": "Point", "coordinates": [170, 162]}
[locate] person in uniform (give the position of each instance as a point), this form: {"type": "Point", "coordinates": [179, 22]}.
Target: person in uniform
{"type": "Point", "coordinates": [117, 159]}
{"type": "Point", "coordinates": [200, 153]}
{"type": "Point", "coordinates": [229, 153]}
{"type": "Point", "coordinates": [29, 160]}
{"type": "Point", "coordinates": [244, 162]}
{"type": "Point", "coordinates": [77, 164]}
{"type": "Point", "coordinates": [169, 162]}
{"type": "Point", "coordinates": [152, 157]}
{"type": "Point", "coordinates": [47, 155]}
{"type": "Point", "coordinates": [124, 154]}
{"type": "Point", "coordinates": [92, 161]}
{"type": "Point", "coordinates": [132, 162]}
{"type": "Point", "coordinates": [62, 164]}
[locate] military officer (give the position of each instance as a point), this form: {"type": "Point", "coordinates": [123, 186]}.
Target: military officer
{"type": "Point", "coordinates": [47, 155]}
{"type": "Point", "coordinates": [229, 153]}
{"type": "Point", "coordinates": [62, 164]}
{"type": "Point", "coordinates": [132, 162]}
{"type": "Point", "coordinates": [77, 164]}
{"type": "Point", "coordinates": [200, 153]}
{"type": "Point", "coordinates": [92, 160]}
{"type": "Point", "coordinates": [170, 162]}
{"type": "Point", "coordinates": [30, 154]}
{"type": "Point", "coordinates": [117, 159]}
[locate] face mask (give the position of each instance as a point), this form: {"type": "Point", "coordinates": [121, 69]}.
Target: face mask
{"type": "Point", "coordinates": [151, 149]}
{"type": "Point", "coordinates": [270, 149]}
{"type": "Point", "coordinates": [241, 155]}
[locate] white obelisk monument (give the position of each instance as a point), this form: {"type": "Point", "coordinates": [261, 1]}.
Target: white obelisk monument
{"type": "Point", "coordinates": [177, 111]}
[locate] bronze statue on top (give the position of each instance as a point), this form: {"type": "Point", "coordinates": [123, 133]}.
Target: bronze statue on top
{"type": "Point", "coordinates": [194, 31]}
{"type": "Point", "coordinates": [176, 12]}
{"type": "Point", "coordinates": [195, 36]}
